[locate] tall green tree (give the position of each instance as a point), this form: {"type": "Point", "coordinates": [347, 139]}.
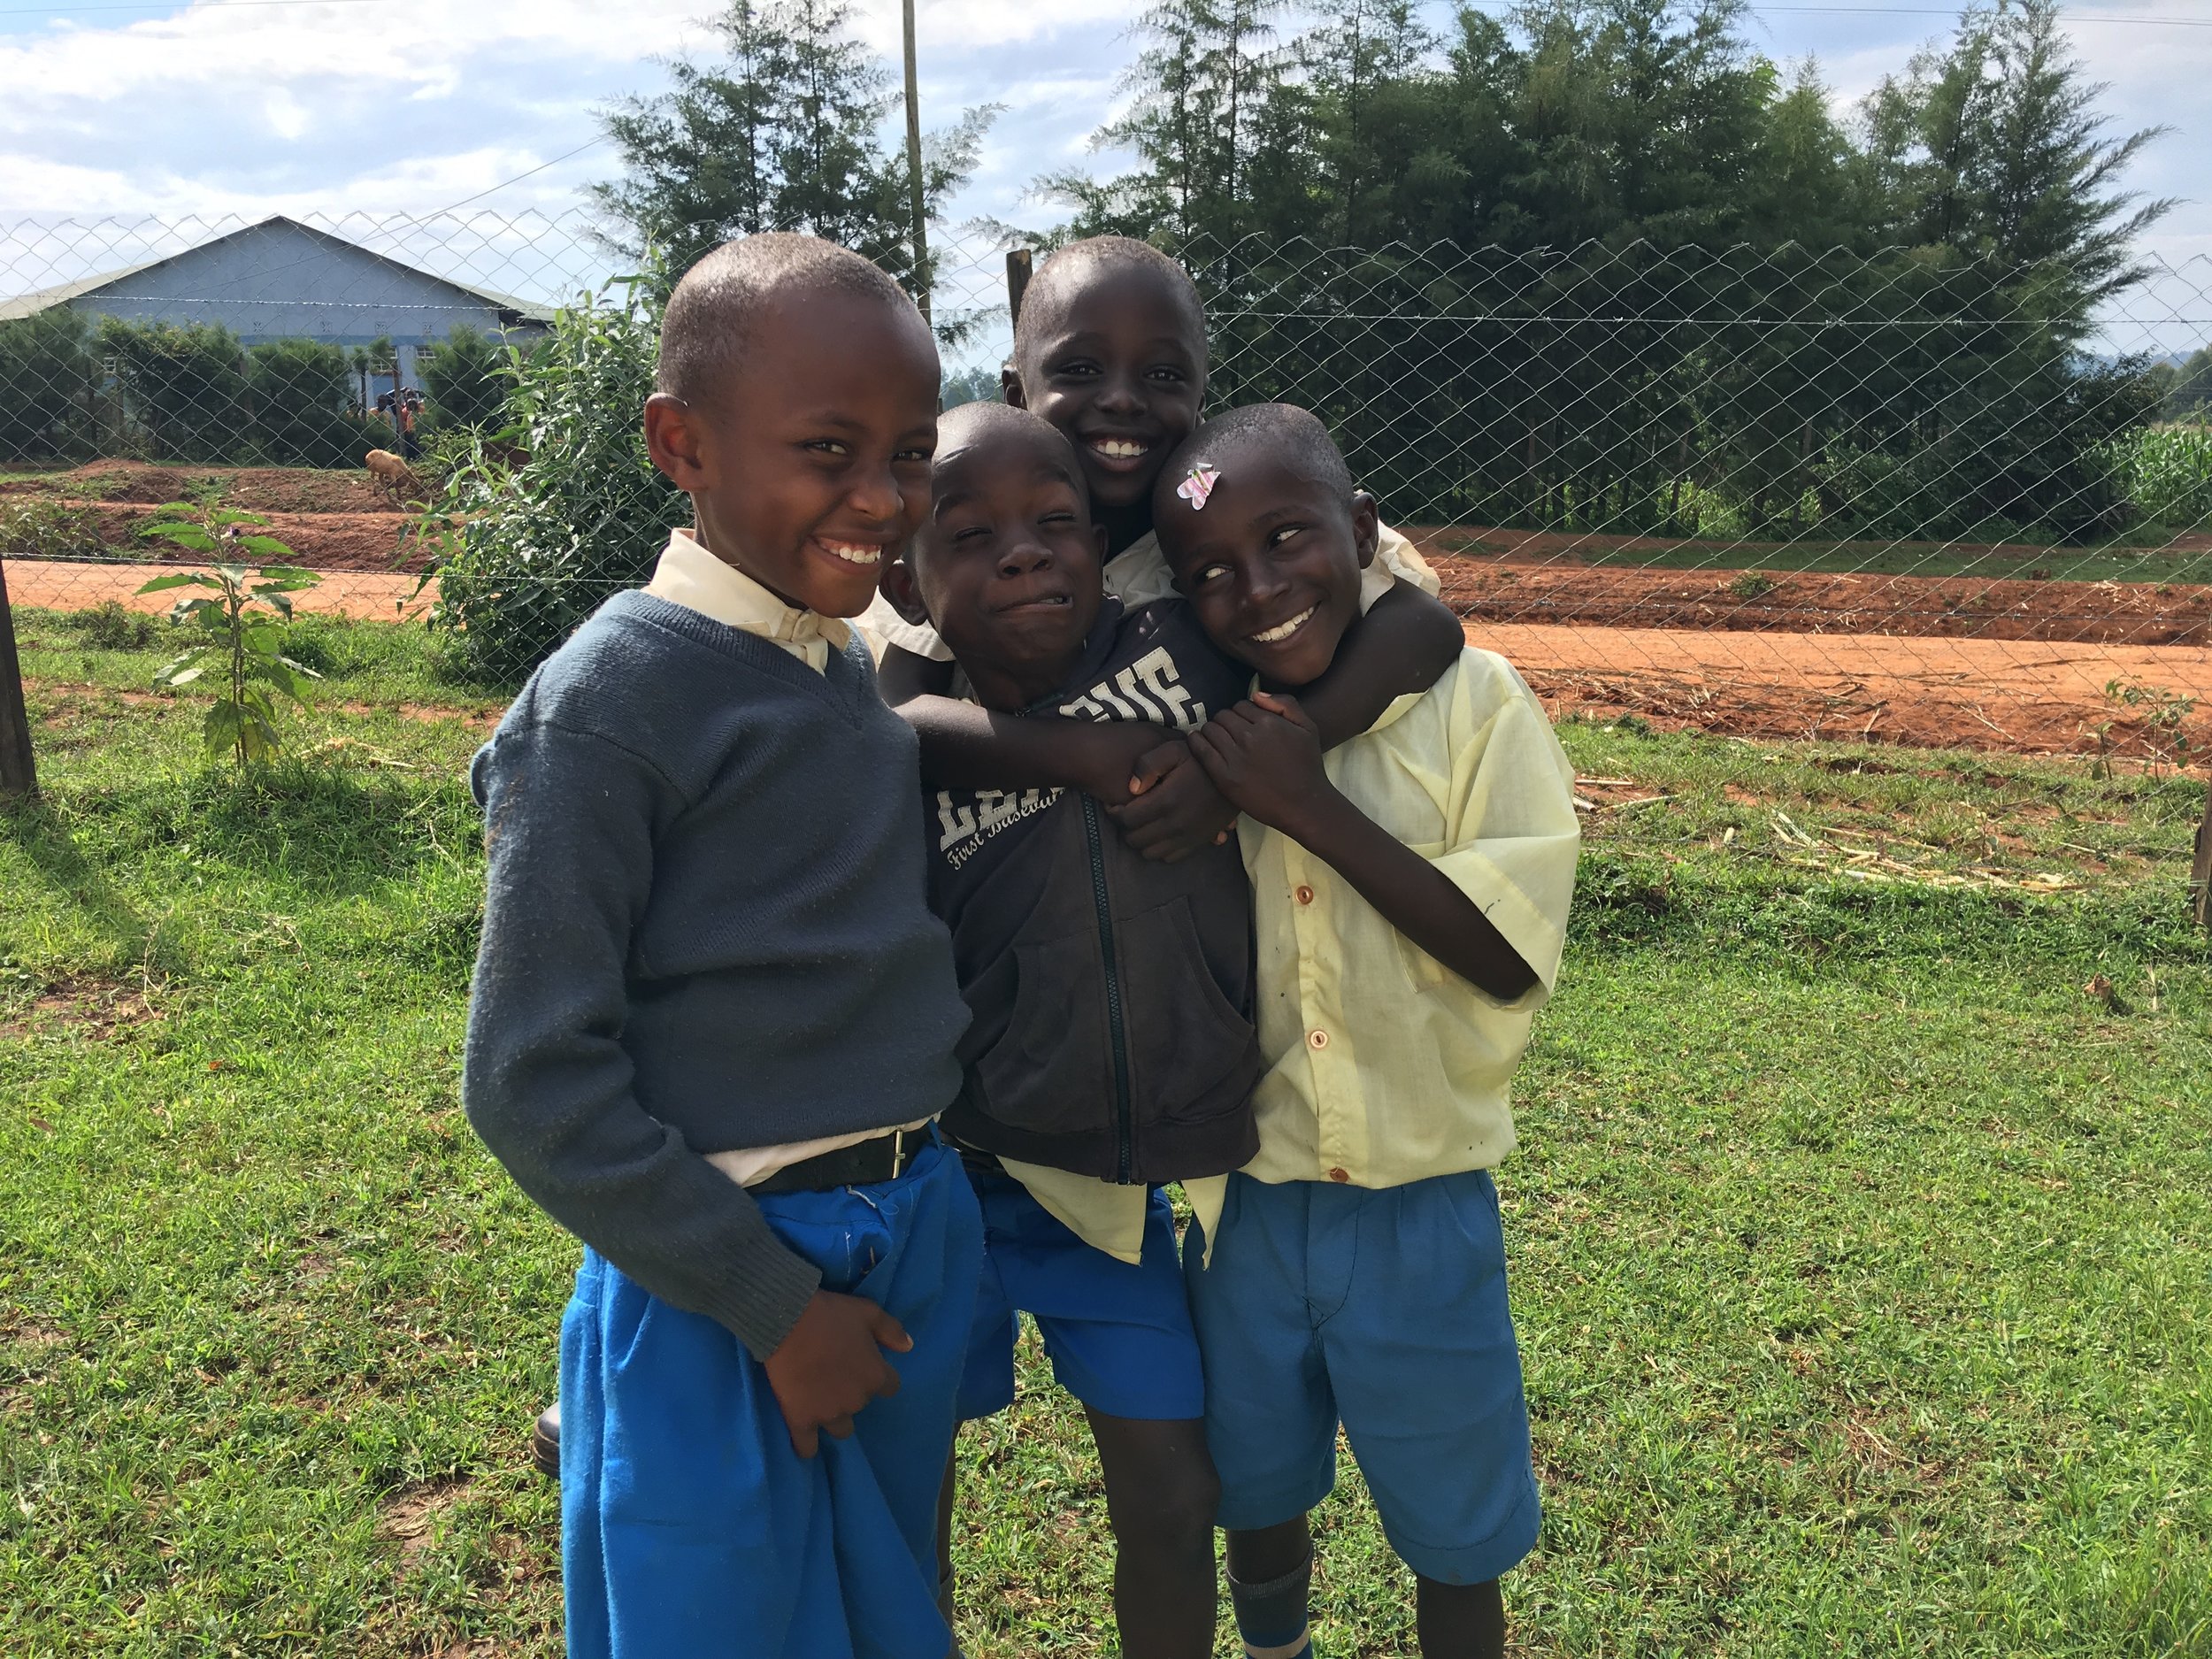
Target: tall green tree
{"type": "Point", "coordinates": [1204, 82]}
{"type": "Point", "coordinates": [1997, 147]}
{"type": "Point", "coordinates": [783, 132]}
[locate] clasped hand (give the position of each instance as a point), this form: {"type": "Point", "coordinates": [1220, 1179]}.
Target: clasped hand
{"type": "Point", "coordinates": [1265, 756]}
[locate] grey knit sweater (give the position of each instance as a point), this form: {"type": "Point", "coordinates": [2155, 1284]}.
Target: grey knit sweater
{"type": "Point", "coordinates": [704, 929]}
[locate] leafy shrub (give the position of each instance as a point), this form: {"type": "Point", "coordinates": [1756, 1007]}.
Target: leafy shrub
{"type": "Point", "coordinates": [107, 626]}
{"type": "Point", "coordinates": [465, 380]}
{"type": "Point", "coordinates": [31, 528]}
{"type": "Point", "coordinates": [524, 552]}
{"type": "Point", "coordinates": [1751, 584]}
{"type": "Point", "coordinates": [45, 385]}
{"type": "Point", "coordinates": [184, 388]}
{"type": "Point", "coordinates": [302, 393]}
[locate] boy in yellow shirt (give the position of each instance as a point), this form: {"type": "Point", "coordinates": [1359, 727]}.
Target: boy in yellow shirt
{"type": "Point", "coordinates": [1411, 890]}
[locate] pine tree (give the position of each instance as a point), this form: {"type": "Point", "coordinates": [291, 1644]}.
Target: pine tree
{"type": "Point", "coordinates": [783, 132]}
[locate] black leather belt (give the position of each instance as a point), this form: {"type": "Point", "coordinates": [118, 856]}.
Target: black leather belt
{"type": "Point", "coordinates": [884, 1158]}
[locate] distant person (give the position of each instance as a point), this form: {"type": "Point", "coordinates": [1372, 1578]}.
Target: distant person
{"type": "Point", "coordinates": [410, 411]}
{"type": "Point", "coordinates": [714, 1021]}
{"type": "Point", "coordinates": [1409, 891]}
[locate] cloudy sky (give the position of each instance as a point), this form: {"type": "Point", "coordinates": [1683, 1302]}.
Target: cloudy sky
{"type": "Point", "coordinates": [404, 107]}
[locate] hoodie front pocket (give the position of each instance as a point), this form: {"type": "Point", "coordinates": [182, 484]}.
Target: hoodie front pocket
{"type": "Point", "coordinates": [1052, 1071]}
{"type": "Point", "coordinates": [1197, 1056]}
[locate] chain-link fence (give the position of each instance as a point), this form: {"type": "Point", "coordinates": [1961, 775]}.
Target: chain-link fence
{"type": "Point", "coordinates": [1789, 492]}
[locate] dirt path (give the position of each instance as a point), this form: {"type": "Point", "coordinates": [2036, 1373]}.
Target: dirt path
{"type": "Point", "coordinates": [1996, 693]}
{"type": "Point", "coordinates": [1777, 602]}
{"type": "Point", "coordinates": [2018, 696]}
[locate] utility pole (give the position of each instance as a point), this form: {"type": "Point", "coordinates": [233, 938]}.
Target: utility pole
{"type": "Point", "coordinates": [919, 197]}
{"type": "Point", "coordinates": [18, 776]}
{"type": "Point", "coordinates": [1019, 268]}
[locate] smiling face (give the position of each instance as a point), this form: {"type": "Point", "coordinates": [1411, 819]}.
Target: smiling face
{"type": "Point", "coordinates": [1008, 564]}
{"type": "Point", "coordinates": [1271, 563]}
{"type": "Point", "coordinates": [1118, 364]}
{"type": "Point", "coordinates": [808, 460]}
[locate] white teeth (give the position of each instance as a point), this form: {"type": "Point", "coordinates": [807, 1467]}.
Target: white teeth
{"type": "Point", "coordinates": [1119, 449]}
{"type": "Point", "coordinates": [1283, 630]}
{"type": "Point", "coordinates": [855, 553]}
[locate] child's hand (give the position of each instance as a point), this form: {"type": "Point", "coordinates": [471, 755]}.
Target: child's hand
{"type": "Point", "coordinates": [1265, 754]}
{"type": "Point", "coordinates": [831, 1363]}
{"type": "Point", "coordinates": [1174, 809]}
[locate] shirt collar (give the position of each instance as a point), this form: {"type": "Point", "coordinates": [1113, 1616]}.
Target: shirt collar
{"type": "Point", "coordinates": [689, 576]}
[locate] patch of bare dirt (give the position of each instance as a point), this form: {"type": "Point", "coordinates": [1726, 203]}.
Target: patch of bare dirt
{"type": "Point", "coordinates": [409, 1518]}
{"type": "Point", "coordinates": [298, 489]}
{"type": "Point", "coordinates": [96, 1008]}
{"type": "Point", "coordinates": [1956, 607]}
{"type": "Point", "coordinates": [1926, 693]}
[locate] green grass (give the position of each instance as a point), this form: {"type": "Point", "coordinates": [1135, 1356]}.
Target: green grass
{"type": "Point", "coordinates": [2117, 561]}
{"type": "Point", "coordinates": [1859, 1255]}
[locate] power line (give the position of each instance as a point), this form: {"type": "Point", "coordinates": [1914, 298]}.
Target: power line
{"type": "Point", "coordinates": [588, 144]}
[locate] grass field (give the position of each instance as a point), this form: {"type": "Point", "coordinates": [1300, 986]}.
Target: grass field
{"type": "Point", "coordinates": [1860, 1256]}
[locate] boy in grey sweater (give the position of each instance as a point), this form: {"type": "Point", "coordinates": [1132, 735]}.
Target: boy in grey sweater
{"type": "Point", "coordinates": [713, 1019]}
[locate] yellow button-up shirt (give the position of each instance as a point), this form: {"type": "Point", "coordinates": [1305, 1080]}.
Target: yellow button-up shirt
{"type": "Point", "coordinates": [1384, 1067]}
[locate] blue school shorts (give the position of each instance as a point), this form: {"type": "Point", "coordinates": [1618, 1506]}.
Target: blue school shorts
{"type": "Point", "coordinates": [690, 1526]}
{"type": "Point", "coordinates": [1118, 1333]}
{"type": "Point", "coordinates": [1385, 1310]}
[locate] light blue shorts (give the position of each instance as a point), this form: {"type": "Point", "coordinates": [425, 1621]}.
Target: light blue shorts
{"type": "Point", "coordinates": [1118, 1333]}
{"type": "Point", "coordinates": [1385, 1310]}
{"type": "Point", "coordinates": [690, 1526]}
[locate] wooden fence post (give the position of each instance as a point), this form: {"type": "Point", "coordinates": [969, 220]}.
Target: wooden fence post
{"type": "Point", "coordinates": [19, 775]}
{"type": "Point", "coordinates": [1019, 270]}
{"type": "Point", "coordinates": [2200, 870]}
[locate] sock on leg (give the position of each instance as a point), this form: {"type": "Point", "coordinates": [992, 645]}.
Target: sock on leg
{"type": "Point", "coordinates": [1272, 1617]}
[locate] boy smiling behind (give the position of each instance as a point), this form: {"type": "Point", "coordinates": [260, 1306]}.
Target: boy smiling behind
{"type": "Point", "coordinates": [1112, 1047]}
{"type": "Point", "coordinates": [1410, 892]}
{"type": "Point", "coordinates": [1110, 348]}
{"type": "Point", "coordinates": [713, 1016]}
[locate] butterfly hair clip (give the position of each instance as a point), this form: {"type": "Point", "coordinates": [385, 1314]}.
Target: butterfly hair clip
{"type": "Point", "coordinates": [1198, 486]}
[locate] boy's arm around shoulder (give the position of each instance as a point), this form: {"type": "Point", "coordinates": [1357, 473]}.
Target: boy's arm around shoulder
{"type": "Point", "coordinates": [1404, 643]}
{"type": "Point", "coordinates": [1491, 902]}
{"type": "Point", "coordinates": [570, 820]}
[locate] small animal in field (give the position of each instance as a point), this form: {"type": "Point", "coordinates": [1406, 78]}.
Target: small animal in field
{"type": "Point", "coordinates": [395, 474]}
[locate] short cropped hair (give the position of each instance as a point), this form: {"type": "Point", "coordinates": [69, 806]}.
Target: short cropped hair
{"type": "Point", "coordinates": [1282, 430]}
{"type": "Point", "coordinates": [716, 308]}
{"type": "Point", "coordinates": [966, 424]}
{"type": "Point", "coordinates": [1066, 269]}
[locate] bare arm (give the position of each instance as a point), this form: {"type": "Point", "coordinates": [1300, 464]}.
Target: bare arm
{"type": "Point", "coordinates": [965, 746]}
{"type": "Point", "coordinates": [1404, 644]}
{"type": "Point", "coordinates": [1266, 758]}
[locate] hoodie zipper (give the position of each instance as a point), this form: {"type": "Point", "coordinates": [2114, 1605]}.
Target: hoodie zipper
{"type": "Point", "coordinates": [1124, 1150]}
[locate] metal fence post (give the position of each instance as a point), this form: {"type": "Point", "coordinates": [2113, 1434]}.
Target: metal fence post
{"type": "Point", "coordinates": [2201, 870]}
{"type": "Point", "coordinates": [19, 774]}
